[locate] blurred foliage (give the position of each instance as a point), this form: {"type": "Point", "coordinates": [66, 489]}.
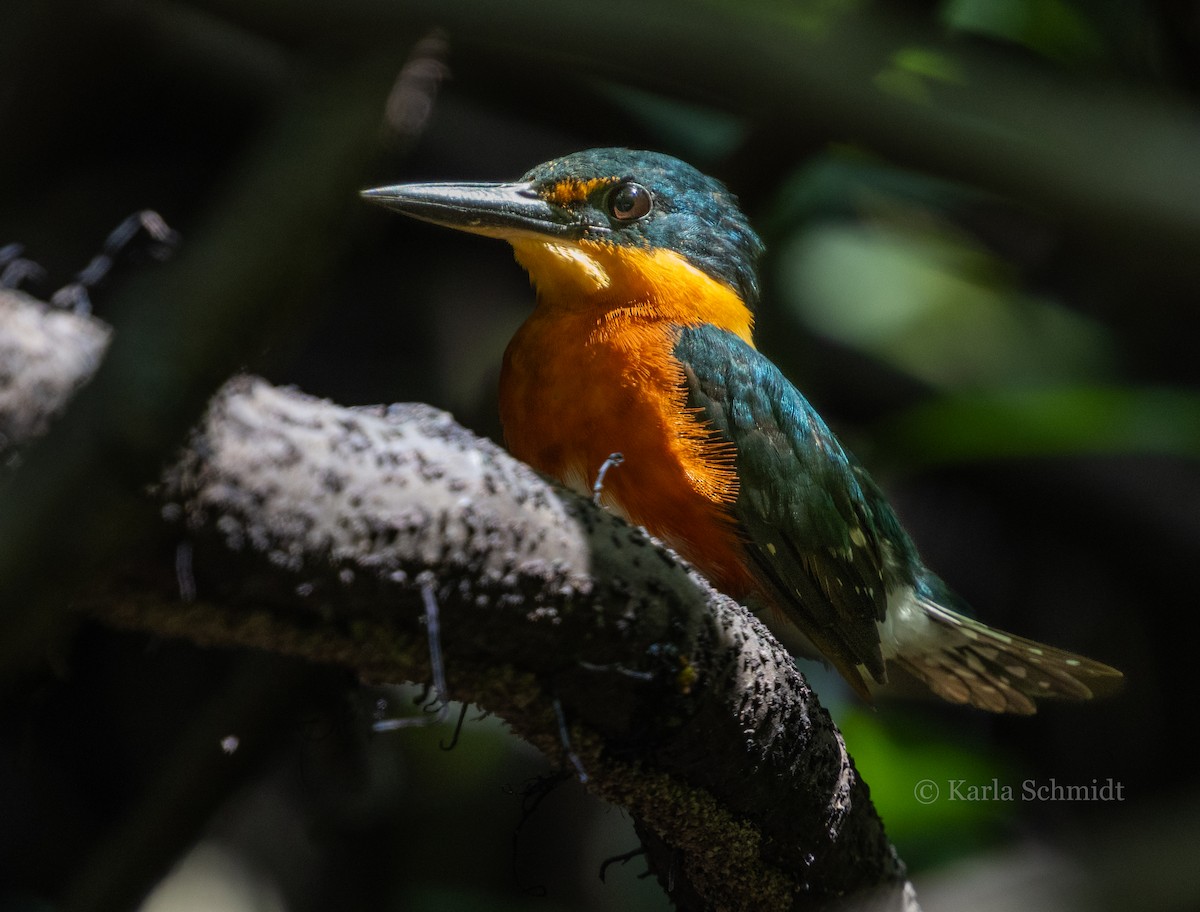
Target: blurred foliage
{"type": "Point", "coordinates": [900, 758]}
{"type": "Point", "coordinates": [906, 286]}
{"type": "Point", "coordinates": [982, 222]}
{"type": "Point", "coordinates": [1056, 29]}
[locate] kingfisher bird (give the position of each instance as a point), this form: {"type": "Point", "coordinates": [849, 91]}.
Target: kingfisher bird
{"type": "Point", "coordinates": [640, 344]}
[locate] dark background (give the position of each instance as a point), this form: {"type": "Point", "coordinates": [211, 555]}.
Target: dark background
{"type": "Point", "coordinates": [982, 222]}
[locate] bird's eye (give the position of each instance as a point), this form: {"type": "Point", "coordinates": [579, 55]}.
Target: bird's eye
{"type": "Point", "coordinates": [629, 202]}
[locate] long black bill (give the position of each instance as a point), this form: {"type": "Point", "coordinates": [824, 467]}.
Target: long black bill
{"type": "Point", "coordinates": [497, 210]}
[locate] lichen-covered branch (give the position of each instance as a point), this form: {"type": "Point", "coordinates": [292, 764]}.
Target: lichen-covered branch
{"type": "Point", "coordinates": [315, 528]}
{"type": "Point", "coordinates": [45, 355]}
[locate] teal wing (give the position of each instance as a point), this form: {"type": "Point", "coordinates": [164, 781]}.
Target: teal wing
{"type": "Point", "coordinates": [824, 543]}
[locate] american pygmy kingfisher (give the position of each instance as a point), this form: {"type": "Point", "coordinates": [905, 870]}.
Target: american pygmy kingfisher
{"type": "Point", "coordinates": [640, 344]}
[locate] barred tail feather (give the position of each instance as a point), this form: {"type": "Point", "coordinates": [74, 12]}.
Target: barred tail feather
{"type": "Point", "coordinates": [964, 661]}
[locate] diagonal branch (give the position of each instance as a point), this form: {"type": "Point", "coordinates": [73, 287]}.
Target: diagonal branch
{"type": "Point", "coordinates": [316, 526]}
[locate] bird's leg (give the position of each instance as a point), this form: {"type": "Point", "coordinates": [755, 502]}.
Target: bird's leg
{"type": "Point", "coordinates": [613, 460]}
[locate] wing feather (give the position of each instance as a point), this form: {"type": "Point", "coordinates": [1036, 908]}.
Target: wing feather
{"type": "Point", "coordinates": [806, 511]}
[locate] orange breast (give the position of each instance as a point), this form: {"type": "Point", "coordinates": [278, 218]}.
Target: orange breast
{"type": "Point", "coordinates": [577, 387]}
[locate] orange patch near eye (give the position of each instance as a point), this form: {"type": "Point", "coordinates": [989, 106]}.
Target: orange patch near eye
{"type": "Point", "coordinates": [570, 191]}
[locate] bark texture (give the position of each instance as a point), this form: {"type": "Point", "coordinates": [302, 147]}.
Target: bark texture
{"type": "Point", "coordinates": [317, 530]}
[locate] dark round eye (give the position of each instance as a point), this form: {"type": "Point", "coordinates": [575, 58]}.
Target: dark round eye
{"type": "Point", "coordinates": [629, 202]}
